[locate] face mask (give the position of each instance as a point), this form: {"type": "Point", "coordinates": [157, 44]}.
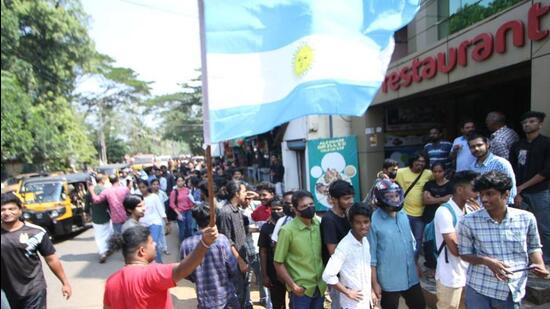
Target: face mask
{"type": "Point", "coordinates": [307, 213]}
{"type": "Point", "coordinates": [276, 216]}
{"type": "Point", "coordinates": [392, 175]}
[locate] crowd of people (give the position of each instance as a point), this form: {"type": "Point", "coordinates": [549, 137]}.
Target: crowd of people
{"type": "Point", "coordinates": [474, 211]}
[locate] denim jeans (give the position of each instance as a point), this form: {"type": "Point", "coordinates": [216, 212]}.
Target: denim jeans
{"type": "Point", "coordinates": [479, 301]}
{"type": "Point", "coordinates": [264, 292]}
{"type": "Point", "coordinates": [156, 233]}
{"type": "Point", "coordinates": [306, 302]}
{"type": "Point", "coordinates": [539, 204]}
{"type": "Point", "coordinates": [117, 228]}
{"type": "Point", "coordinates": [185, 226]}
{"type": "Point", "coordinates": [417, 228]}
{"type": "Point", "coordinates": [241, 282]}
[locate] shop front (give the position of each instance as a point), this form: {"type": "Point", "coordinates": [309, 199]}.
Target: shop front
{"type": "Point", "coordinates": [499, 64]}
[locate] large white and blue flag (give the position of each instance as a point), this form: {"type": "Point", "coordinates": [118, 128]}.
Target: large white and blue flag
{"type": "Point", "coordinates": [266, 62]}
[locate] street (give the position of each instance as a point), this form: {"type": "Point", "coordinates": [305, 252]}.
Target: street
{"type": "Point", "coordinates": [87, 276]}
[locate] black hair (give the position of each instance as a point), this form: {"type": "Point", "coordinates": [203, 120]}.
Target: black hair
{"type": "Point", "coordinates": [464, 121]}
{"type": "Point", "coordinates": [266, 186]}
{"type": "Point", "coordinates": [288, 193]}
{"type": "Point", "coordinates": [417, 156]}
{"type": "Point", "coordinates": [10, 197]}
{"type": "Point", "coordinates": [155, 180]}
{"type": "Point", "coordinates": [203, 187]}
{"type": "Point", "coordinates": [359, 209]}
{"type": "Point", "coordinates": [339, 188]}
{"type": "Point", "coordinates": [113, 178]}
{"type": "Point", "coordinates": [438, 129]}
{"type": "Point", "coordinates": [530, 114]}
{"type": "Point", "coordinates": [201, 214]}
{"type": "Point", "coordinates": [195, 181]}
{"type": "Point", "coordinates": [144, 182]}
{"type": "Point", "coordinates": [232, 188]}
{"type": "Point", "coordinates": [299, 195]}
{"type": "Point", "coordinates": [493, 180]}
{"type": "Point", "coordinates": [440, 164]}
{"type": "Point", "coordinates": [130, 241]}
{"type": "Point", "coordinates": [462, 178]}
{"type": "Point", "coordinates": [389, 163]}
{"type": "Point", "coordinates": [276, 202]}
{"type": "Point", "coordinates": [234, 170]}
{"type": "Point", "coordinates": [130, 202]}
{"type": "Point", "coordinates": [180, 176]}
{"type": "Point", "coordinates": [476, 135]}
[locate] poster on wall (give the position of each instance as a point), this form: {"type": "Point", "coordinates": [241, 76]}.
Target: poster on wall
{"type": "Point", "coordinates": [329, 160]}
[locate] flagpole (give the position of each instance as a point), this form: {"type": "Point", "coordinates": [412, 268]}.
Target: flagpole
{"type": "Point", "coordinates": [206, 116]}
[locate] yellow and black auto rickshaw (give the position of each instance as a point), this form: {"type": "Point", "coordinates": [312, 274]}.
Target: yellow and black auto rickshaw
{"type": "Point", "coordinates": [56, 202]}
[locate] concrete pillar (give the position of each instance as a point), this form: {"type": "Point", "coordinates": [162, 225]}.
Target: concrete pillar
{"type": "Point", "coordinates": [540, 92]}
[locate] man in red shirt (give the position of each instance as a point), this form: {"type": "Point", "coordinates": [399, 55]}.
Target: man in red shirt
{"type": "Point", "coordinates": [266, 190]}
{"type": "Point", "coordinates": [142, 284]}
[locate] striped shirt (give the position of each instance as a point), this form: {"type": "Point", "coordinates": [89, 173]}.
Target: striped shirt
{"type": "Point", "coordinates": [213, 276]}
{"type": "Point", "coordinates": [502, 140]}
{"type": "Point", "coordinates": [496, 163]}
{"type": "Point", "coordinates": [511, 242]}
{"type": "Point", "coordinates": [439, 152]}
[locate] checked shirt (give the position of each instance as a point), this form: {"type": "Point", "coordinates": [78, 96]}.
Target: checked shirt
{"type": "Point", "coordinates": [511, 242]}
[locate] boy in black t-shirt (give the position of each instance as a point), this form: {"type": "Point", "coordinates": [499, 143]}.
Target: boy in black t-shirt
{"type": "Point", "coordinates": [335, 225]}
{"type": "Point", "coordinates": [22, 277]}
{"type": "Point", "coordinates": [267, 251]}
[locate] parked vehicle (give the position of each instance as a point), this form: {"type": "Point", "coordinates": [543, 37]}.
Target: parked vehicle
{"type": "Point", "coordinates": [56, 202]}
{"type": "Point", "coordinates": [111, 169]}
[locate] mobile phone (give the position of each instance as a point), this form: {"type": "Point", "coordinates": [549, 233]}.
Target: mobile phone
{"type": "Point", "coordinates": [523, 269]}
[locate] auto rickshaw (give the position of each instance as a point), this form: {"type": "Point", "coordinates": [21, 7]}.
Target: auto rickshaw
{"type": "Point", "coordinates": [111, 169]}
{"type": "Point", "coordinates": [56, 202]}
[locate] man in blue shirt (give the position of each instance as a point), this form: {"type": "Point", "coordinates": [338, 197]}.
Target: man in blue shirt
{"type": "Point", "coordinates": [214, 285]}
{"type": "Point", "coordinates": [498, 241]}
{"type": "Point", "coordinates": [438, 150]}
{"type": "Point", "coordinates": [486, 162]}
{"type": "Point", "coordinates": [461, 150]}
{"type": "Point", "coordinates": [393, 266]}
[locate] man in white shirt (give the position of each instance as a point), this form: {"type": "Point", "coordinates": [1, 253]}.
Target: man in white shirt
{"type": "Point", "coordinates": [461, 150]}
{"type": "Point", "coordinates": [450, 273]}
{"type": "Point", "coordinates": [348, 269]}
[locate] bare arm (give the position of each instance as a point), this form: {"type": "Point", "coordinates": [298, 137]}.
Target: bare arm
{"type": "Point", "coordinates": [531, 182]}
{"type": "Point", "coordinates": [538, 263]}
{"type": "Point", "coordinates": [57, 268]}
{"type": "Point", "coordinates": [285, 276]}
{"type": "Point", "coordinates": [429, 199]}
{"type": "Point", "coordinates": [331, 248]}
{"type": "Point", "coordinates": [192, 261]}
{"type": "Point", "coordinates": [263, 265]}
{"type": "Point", "coordinates": [451, 242]}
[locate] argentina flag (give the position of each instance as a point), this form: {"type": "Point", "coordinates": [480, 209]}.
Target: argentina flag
{"type": "Point", "coordinates": [268, 62]}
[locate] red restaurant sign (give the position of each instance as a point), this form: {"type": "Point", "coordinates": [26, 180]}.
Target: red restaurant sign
{"type": "Point", "coordinates": [484, 45]}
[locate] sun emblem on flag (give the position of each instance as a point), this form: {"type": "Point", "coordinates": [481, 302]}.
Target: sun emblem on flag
{"type": "Point", "coordinates": [303, 60]}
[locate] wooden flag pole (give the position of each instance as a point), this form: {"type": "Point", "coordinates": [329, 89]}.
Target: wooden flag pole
{"type": "Point", "coordinates": [210, 174]}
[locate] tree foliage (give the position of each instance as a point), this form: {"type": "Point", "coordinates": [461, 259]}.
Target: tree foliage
{"type": "Point", "coordinates": [181, 114]}
{"type": "Point", "coordinates": [45, 46]}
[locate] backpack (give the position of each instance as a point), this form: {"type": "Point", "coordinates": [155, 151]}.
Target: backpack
{"type": "Point", "coordinates": [429, 237]}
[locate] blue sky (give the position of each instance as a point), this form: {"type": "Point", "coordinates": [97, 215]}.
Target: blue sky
{"type": "Point", "coordinates": [158, 39]}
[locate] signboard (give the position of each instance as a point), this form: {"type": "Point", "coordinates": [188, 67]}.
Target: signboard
{"type": "Point", "coordinates": [331, 159]}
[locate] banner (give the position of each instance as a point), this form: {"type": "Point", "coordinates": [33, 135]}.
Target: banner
{"type": "Point", "coordinates": [329, 160]}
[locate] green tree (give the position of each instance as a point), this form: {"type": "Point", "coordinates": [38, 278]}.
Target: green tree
{"type": "Point", "coordinates": [181, 115]}
{"type": "Point", "coordinates": [45, 46]}
{"type": "Point", "coordinates": [120, 96]}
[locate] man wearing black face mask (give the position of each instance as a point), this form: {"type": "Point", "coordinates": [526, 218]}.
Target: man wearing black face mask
{"type": "Point", "coordinates": [298, 259]}
{"type": "Point", "coordinates": [276, 288]}
{"type": "Point", "coordinates": [438, 150]}
{"type": "Point", "coordinates": [288, 210]}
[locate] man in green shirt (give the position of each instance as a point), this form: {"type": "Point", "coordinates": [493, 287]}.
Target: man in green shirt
{"type": "Point", "coordinates": [298, 259]}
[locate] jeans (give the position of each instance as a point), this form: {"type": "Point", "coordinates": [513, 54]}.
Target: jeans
{"type": "Point", "coordinates": [156, 233]}
{"type": "Point", "coordinates": [479, 301]}
{"type": "Point", "coordinates": [185, 226]}
{"type": "Point", "coordinates": [242, 287]}
{"type": "Point", "coordinates": [117, 228]}
{"type": "Point", "coordinates": [306, 302]}
{"type": "Point", "coordinates": [414, 298]}
{"type": "Point", "coordinates": [334, 297]}
{"type": "Point", "coordinates": [264, 292]}
{"type": "Point", "coordinates": [539, 204]}
{"type": "Point", "coordinates": [417, 228]}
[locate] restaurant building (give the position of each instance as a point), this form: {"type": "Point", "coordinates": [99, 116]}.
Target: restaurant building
{"type": "Point", "coordinates": [457, 59]}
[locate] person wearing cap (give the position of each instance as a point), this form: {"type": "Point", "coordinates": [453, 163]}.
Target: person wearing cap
{"type": "Point", "coordinates": [392, 248]}
{"type": "Point", "coordinates": [530, 159]}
